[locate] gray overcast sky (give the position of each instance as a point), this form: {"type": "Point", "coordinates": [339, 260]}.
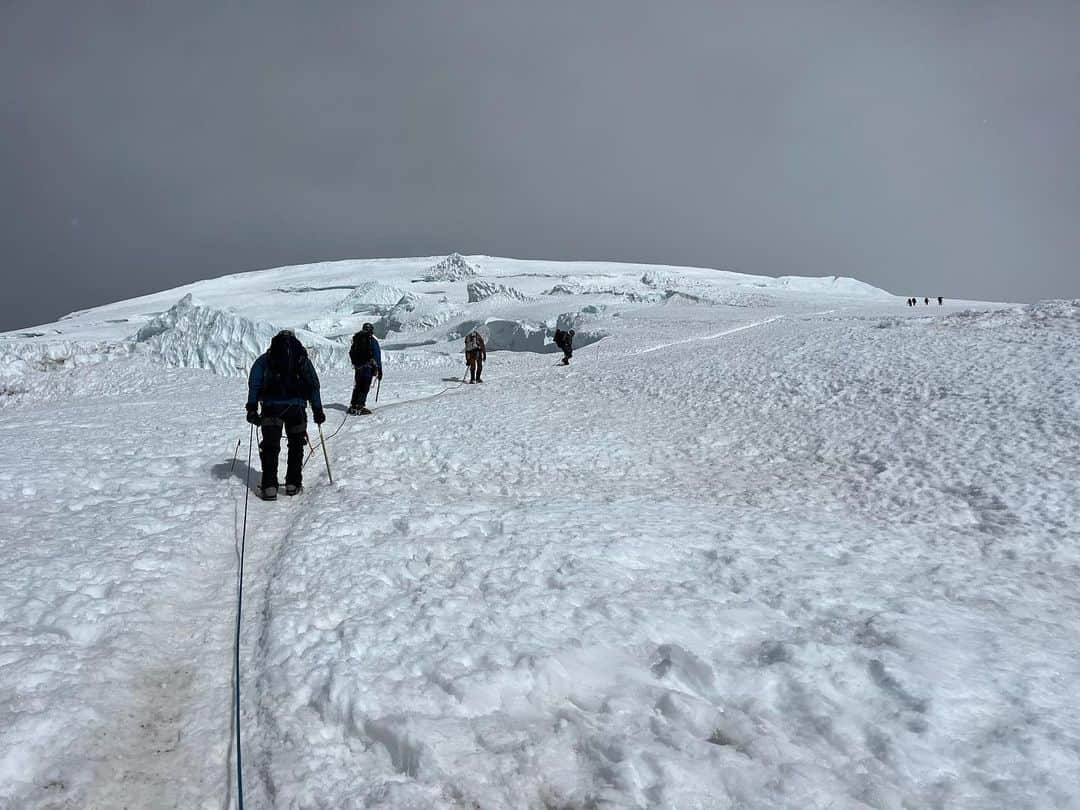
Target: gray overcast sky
{"type": "Point", "coordinates": [926, 147]}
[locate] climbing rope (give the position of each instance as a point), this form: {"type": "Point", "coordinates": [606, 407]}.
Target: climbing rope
{"type": "Point", "coordinates": [345, 418]}
{"type": "Point", "coordinates": [239, 613]}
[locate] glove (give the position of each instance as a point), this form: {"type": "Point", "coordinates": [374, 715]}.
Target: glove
{"type": "Point", "coordinates": [253, 415]}
{"type": "Point", "coordinates": [378, 374]}
{"type": "Point", "coordinates": [319, 415]}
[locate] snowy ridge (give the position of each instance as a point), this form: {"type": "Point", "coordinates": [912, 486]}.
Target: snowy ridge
{"type": "Point", "coordinates": [837, 285]}
{"type": "Point", "coordinates": [631, 292]}
{"type": "Point", "coordinates": [193, 335]}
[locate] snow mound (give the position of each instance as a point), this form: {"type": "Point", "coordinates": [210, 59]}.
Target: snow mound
{"type": "Point", "coordinates": [677, 297]}
{"type": "Point", "coordinates": [367, 295]}
{"type": "Point", "coordinates": [562, 289]}
{"type": "Point", "coordinates": [483, 290]}
{"type": "Point", "coordinates": [192, 335]}
{"type": "Point", "coordinates": [736, 297]}
{"type": "Point", "coordinates": [413, 313]}
{"type": "Point", "coordinates": [1058, 312]}
{"type": "Point", "coordinates": [632, 293]}
{"type": "Point", "coordinates": [452, 268]}
{"type": "Point", "coordinates": [661, 279]}
{"type": "Point", "coordinates": [506, 335]}
{"type": "Point", "coordinates": [838, 285]}
{"type": "Point", "coordinates": [19, 361]}
{"type": "Point", "coordinates": [1055, 309]}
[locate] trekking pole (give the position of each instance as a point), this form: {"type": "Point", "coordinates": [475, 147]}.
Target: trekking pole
{"type": "Point", "coordinates": [378, 386]}
{"type": "Point", "coordinates": [325, 456]}
{"type": "Point", "coordinates": [232, 469]}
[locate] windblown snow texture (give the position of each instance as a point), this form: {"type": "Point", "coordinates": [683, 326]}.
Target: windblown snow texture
{"type": "Point", "coordinates": [484, 290]}
{"type": "Point", "coordinates": [370, 295]}
{"type": "Point", "coordinates": [454, 267]}
{"type": "Point", "coordinates": [813, 549]}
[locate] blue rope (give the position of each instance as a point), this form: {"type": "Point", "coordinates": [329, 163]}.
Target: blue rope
{"type": "Point", "coordinates": [239, 613]}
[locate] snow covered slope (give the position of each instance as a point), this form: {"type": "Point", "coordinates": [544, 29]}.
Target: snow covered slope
{"type": "Point", "coordinates": [764, 543]}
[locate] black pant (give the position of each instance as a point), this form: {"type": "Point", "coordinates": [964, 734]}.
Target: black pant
{"type": "Point", "coordinates": [293, 419]}
{"type": "Point", "coordinates": [475, 363]}
{"type": "Point", "coordinates": [362, 378]}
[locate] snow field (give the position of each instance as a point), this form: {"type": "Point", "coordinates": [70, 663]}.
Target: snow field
{"type": "Point", "coordinates": [651, 636]}
{"type": "Point", "coordinates": [794, 551]}
{"type": "Point", "coordinates": [115, 659]}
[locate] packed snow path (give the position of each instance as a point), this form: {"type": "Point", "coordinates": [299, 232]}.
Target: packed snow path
{"type": "Point", "coordinates": [827, 561]}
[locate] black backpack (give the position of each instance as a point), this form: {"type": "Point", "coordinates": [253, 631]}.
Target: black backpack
{"type": "Point", "coordinates": [360, 353]}
{"type": "Point", "coordinates": [560, 338]}
{"type": "Point", "coordinates": [286, 374]}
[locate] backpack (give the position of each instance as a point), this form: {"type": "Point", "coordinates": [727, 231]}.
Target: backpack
{"type": "Point", "coordinates": [285, 370]}
{"type": "Point", "coordinates": [560, 338]}
{"type": "Point", "coordinates": [471, 343]}
{"type": "Point", "coordinates": [360, 352]}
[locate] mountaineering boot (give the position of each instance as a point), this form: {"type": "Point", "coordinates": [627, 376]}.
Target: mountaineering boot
{"type": "Point", "coordinates": [363, 412]}
{"type": "Point", "coordinates": [293, 489]}
{"type": "Point", "coordinates": [479, 380]}
{"type": "Point", "coordinates": [268, 493]}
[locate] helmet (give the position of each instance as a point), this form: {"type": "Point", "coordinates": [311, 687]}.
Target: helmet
{"type": "Point", "coordinates": [367, 328]}
{"type": "Point", "coordinates": [572, 332]}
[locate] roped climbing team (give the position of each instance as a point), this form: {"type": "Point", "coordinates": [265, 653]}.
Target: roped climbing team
{"type": "Point", "coordinates": [284, 380]}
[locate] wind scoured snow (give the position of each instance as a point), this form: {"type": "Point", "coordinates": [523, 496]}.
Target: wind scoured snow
{"type": "Point", "coordinates": [632, 292]}
{"type": "Point", "coordinates": [193, 335]}
{"type": "Point", "coordinates": [819, 555]}
{"type": "Point", "coordinates": [20, 360]}
{"type": "Point", "coordinates": [503, 335]}
{"type": "Point", "coordinates": [368, 295]}
{"type": "Point", "coordinates": [661, 279]}
{"type": "Point", "coordinates": [837, 285]}
{"type": "Point", "coordinates": [415, 313]}
{"type": "Point", "coordinates": [483, 290]}
{"type": "Point", "coordinates": [1030, 315]}
{"type": "Point", "coordinates": [453, 268]}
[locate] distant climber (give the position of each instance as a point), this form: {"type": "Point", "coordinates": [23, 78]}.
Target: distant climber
{"type": "Point", "coordinates": [366, 357]}
{"type": "Point", "coordinates": [475, 355]}
{"type": "Point", "coordinates": [284, 381]}
{"type": "Point", "coordinates": [565, 341]}
{"type": "Point", "coordinates": [940, 300]}
{"type": "Point", "coordinates": [926, 301]}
